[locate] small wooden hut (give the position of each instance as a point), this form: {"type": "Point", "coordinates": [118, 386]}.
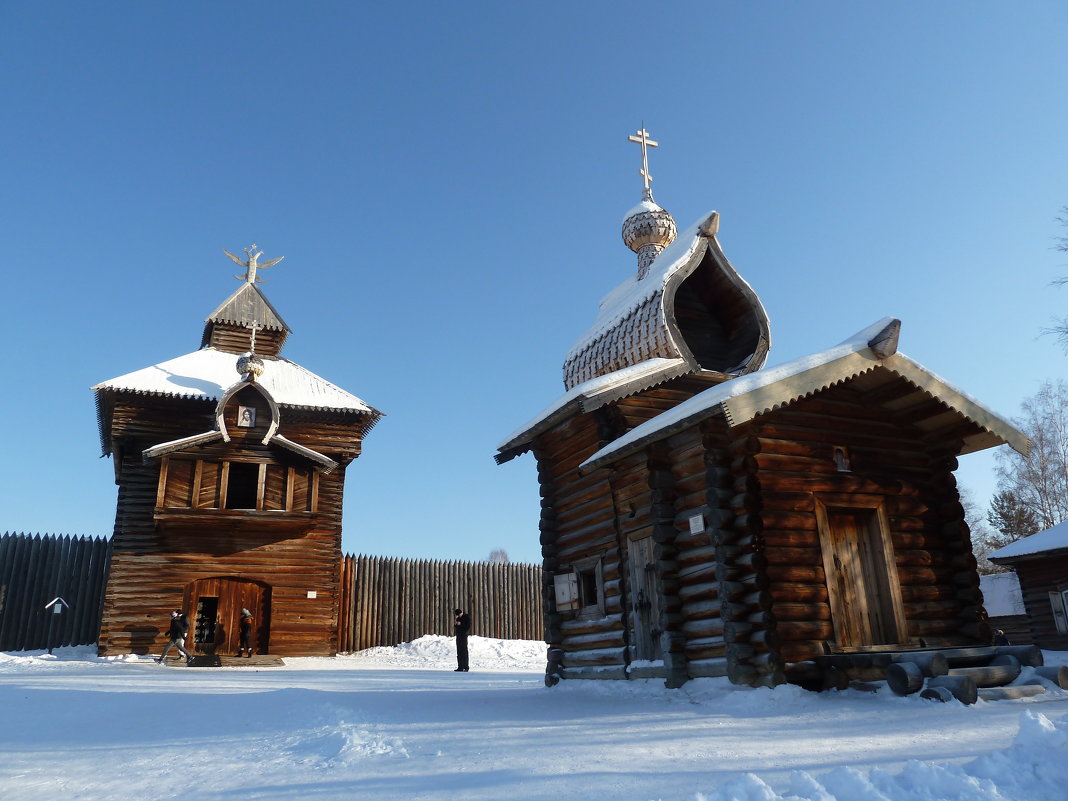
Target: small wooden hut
{"type": "Point", "coordinates": [1041, 564]}
{"type": "Point", "coordinates": [230, 463]}
{"type": "Point", "coordinates": [703, 515]}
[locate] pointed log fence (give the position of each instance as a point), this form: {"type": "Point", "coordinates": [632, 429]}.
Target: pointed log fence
{"type": "Point", "coordinates": [386, 601]}
{"type": "Point", "coordinates": [34, 571]}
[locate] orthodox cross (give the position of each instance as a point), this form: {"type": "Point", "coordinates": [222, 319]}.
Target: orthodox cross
{"type": "Point", "coordinates": [251, 264]}
{"type": "Point", "coordinates": [642, 138]}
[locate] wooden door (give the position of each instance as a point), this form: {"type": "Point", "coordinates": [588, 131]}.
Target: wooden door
{"type": "Point", "coordinates": [862, 584]}
{"type": "Point", "coordinates": [215, 606]}
{"type": "Point", "coordinates": [644, 601]}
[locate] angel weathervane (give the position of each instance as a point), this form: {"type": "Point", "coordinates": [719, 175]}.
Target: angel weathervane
{"type": "Point", "coordinates": [251, 264]}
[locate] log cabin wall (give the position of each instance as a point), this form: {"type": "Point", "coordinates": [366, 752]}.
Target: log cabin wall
{"type": "Point", "coordinates": [785, 460]}
{"type": "Point", "coordinates": [702, 493]}
{"type": "Point", "coordinates": [1038, 578]}
{"type": "Point", "coordinates": [578, 534]}
{"type": "Point", "coordinates": [157, 555]}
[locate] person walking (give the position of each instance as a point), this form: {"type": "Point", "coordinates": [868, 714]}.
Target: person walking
{"type": "Point", "coordinates": [245, 630]}
{"type": "Point", "coordinates": [462, 628]}
{"type": "Point", "coordinates": [177, 632]}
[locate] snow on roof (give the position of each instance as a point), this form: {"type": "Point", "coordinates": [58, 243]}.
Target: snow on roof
{"type": "Point", "coordinates": [645, 205]}
{"type": "Point", "coordinates": [1052, 539]}
{"type": "Point", "coordinates": [635, 377]}
{"type": "Point", "coordinates": [1002, 594]}
{"type": "Point", "coordinates": [741, 399]}
{"type": "Point", "coordinates": [632, 293]}
{"type": "Point", "coordinates": [207, 373]}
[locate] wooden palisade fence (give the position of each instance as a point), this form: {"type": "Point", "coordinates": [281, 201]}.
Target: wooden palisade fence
{"type": "Point", "coordinates": [385, 600]}
{"type": "Point", "coordinates": [34, 570]}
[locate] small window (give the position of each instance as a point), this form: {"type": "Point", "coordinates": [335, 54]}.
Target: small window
{"type": "Point", "coordinates": [242, 484]}
{"type": "Point", "coordinates": [1057, 601]}
{"type": "Point", "coordinates": [590, 580]}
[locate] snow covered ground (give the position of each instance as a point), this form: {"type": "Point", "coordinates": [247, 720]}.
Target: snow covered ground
{"type": "Point", "coordinates": [397, 723]}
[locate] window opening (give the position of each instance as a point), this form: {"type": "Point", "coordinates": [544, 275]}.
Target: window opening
{"type": "Point", "coordinates": [241, 485]}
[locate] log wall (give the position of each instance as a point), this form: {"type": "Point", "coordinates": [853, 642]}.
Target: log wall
{"type": "Point", "coordinates": [386, 601]}
{"type": "Point", "coordinates": [790, 457]}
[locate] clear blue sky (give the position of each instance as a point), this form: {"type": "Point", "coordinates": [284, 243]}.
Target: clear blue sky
{"type": "Point", "coordinates": [447, 182]}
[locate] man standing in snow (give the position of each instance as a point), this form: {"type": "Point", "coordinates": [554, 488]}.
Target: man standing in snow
{"type": "Point", "coordinates": [179, 628]}
{"type": "Point", "coordinates": [463, 626]}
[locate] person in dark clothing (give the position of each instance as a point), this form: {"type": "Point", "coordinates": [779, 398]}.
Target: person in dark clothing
{"type": "Point", "coordinates": [463, 627]}
{"type": "Point", "coordinates": [245, 630]}
{"type": "Point", "coordinates": [177, 632]}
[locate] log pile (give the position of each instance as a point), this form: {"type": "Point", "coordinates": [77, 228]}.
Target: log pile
{"type": "Point", "coordinates": [941, 674]}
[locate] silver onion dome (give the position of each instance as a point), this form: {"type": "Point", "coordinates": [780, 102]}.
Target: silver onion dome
{"type": "Point", "coordinates": [647, 230]}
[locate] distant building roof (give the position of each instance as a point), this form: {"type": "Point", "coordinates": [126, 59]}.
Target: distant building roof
{"type": "Point", "coordinates": [1052, 539]}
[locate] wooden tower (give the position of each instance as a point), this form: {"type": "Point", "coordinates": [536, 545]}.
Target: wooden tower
{"type": "Point", "coordinates": [230, 463]}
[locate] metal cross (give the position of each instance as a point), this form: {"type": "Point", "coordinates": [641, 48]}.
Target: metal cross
{"type": "Point", "coordinates": [642, 138]}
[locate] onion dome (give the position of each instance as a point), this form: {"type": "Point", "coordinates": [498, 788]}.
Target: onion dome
{"type": "Point", "coordinates": [249, 366]}
{"type": "Point", "coordinates": [647, 230]}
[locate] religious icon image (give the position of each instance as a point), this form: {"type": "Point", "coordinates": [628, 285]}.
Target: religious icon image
{"type": "Point", "coordinates": [246, 416]}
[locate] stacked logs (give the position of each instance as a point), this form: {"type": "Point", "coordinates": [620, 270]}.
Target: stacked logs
{"type": "Point", "coordinates": [965, 674]}
{"type": "Point", "coordinates": [665, 553]}
{"type": "Point", "coordinates": [701, 490]}
{"type": "Point", "coordinates": [745, 603]}
{"type": "Point", "coordinates": [970, 620]}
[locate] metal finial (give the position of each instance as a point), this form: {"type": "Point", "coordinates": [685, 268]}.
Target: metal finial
{"type": "Point", "coordinates": [642, 138]}
{"type": "Point", "coordinates": [251, 264]}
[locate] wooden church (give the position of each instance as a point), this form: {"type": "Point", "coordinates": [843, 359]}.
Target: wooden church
{"type": "Point", "coordinates": [705, 515]}
{"type": "Point", "coordinates": [230, 463]}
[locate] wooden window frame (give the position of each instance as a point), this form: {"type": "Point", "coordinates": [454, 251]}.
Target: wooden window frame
{"type": "Point", "coordinates": [594, 565]}
{"type": "Point", "coordinates": [224, 479]}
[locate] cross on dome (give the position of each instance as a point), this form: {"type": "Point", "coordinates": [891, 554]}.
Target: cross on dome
{"type": "Point", "coordinates": [642, 138]}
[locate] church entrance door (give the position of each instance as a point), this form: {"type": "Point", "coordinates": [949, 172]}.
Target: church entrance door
{"type": "Point", "coordinates": [862, 583]}
{"type": "Point", "coordinates": [215, 606]}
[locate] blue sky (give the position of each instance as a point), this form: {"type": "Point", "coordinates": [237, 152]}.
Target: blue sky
{"type": "Point", "coordinates": [447, 183]}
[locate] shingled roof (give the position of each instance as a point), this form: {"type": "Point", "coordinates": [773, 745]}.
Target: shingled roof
{"type": "Point", "coordinates": [691, 305]}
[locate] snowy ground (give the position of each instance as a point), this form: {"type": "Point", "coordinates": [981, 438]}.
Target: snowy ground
{"type": "Point", "coordinates": [397, 723]}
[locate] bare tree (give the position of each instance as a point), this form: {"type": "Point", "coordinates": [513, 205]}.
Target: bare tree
{"type": "Point", "coordinates": [1039, 482]}
{"type": "Point", "coordinates": [1060, 328]}
{"type": "Point", "coordinates": [498, 556]}
{"type": "Point", "coordinates": [984, 539]}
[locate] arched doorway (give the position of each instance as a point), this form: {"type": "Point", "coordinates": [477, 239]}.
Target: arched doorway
{"type": "Point", "coordinates": [216, 605]}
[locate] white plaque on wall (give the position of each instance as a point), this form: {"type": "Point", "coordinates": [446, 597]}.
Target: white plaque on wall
{"type": "Point", "coordinates": [697, 524]}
